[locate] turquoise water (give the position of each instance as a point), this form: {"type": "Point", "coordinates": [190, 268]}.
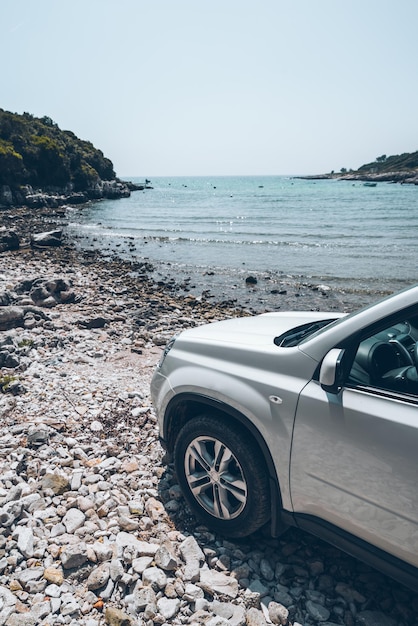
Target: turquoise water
{"type": "Point", "coordinates": [338, 232]}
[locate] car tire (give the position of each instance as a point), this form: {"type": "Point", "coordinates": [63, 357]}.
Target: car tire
{"type": "Point", "coordinates": [223, 476]}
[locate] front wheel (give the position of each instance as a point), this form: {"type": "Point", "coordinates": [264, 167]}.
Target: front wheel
{"type": "Point", "coordinates": [223, 476]}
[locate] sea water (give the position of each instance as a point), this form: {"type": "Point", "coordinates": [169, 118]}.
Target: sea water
{"type": "Point", "coordinates": [339, 232]}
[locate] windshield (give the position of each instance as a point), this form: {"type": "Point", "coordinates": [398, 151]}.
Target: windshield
{"type": "Point", "coordinates": [294, 336]}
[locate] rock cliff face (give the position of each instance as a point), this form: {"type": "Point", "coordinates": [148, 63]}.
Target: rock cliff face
{"type": "Point", "coordinates": [26, 195]}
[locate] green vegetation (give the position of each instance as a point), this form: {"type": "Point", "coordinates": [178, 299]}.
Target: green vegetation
{"type": "Point", "coordinates": [406, 162]}
{"type": "Point", "coordinates": [398, 168]}
{"type": "Point", "coordinates": [35, 151]}
{"type": "Point", "coordinates": [26, 343]}
{"type": "Point", "coordinates": [5, 382]}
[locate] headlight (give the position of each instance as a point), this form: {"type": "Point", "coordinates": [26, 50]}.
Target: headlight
{"type": "Point", "coordinates": [166, 351]}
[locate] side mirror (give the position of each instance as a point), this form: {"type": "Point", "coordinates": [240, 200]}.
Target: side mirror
{"type": "Point", "coordinates": [331, 372]}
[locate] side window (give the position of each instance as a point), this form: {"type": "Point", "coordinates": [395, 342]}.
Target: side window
{"type": "Point", "coordinates": [388, 359]}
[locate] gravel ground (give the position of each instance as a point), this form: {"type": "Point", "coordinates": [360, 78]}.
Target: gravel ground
{"type": "Point", "coordinates": [94, 529]}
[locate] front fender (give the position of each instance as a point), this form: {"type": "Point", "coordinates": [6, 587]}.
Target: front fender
{"type": "Point", "coordinates": [253, 402]}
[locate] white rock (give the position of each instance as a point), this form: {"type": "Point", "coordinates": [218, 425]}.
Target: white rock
{"type": "Point", "coordinates": [53, 590]}
{"type": "Point", "coordinates": [30, 574]}
{"type": "Point", "coordinates": [139, 410]}
{"type": "Point", "coordinates": [214, 582]}
{"type": "Point", "coordinates": [76, 479]}
{"type": "Point", "coordinates": [25, 541]}
{"type": "Point", "coordinates": [7, 604]}
{"type": "Point", "coordinates": [140, 564]}
{"type": "Point", "coordinates": [103, 551]}
{"type": "Point", "coordinates": [154, 577]}
{"type": "Point", "coordinates": [73, 519]}
{"type": "Point", "coordinates": [142, 548]}
{"type": "Point", "coordinates": [165, 557]}
{"type": "Point", "coordinates": [98, 577]}
{"type": "Point", "coordinates": [168, 607]}
{"type": "Point", "coordinates": [193, 557]}
{"type": "Point", "coordinates": [192, 592]}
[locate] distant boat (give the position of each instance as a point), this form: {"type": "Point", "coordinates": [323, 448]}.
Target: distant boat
{"type": "Point", "coordinates": [369, 184]}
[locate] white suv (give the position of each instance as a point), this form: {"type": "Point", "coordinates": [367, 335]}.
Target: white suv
{"type": "Point", "coordinates": [306, 419]}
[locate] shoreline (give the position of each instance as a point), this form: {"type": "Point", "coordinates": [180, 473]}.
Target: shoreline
{"type": "Point", "coordinates": [247, 289]}
{"type": "Point", "coordinates": [402, 177]}
{"type": "Point", "coordinates": [241, 291]}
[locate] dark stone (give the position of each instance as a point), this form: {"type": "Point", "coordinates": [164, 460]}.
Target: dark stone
{"type": "Point", "coordinates": [251, 280]}
{"type": "Point", "coordinates": [9, 240]}
{"type": "Point", "coordinates": [6, 196]}
{"type": "Point", "coordinates": [11, 317]}
{"type": "Point", "coordinates": [95, 322]}
{"type": "Point", "coordinates": [4, 298]}
{"type": "Point", "coordinates": [11, 361]}
{"type": "Point", "coordinates": [43, 290]}
{"type": "Point", "coordinates": [14, 316]}
{"type": "Point", "coordinates": [24, 286]}
{"type": "Point", "coordinates": [79, 198]}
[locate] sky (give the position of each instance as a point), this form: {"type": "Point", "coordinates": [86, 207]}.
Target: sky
{"type": "Point", "coordinates": [218, 87]}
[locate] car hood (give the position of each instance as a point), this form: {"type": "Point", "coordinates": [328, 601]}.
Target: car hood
{"type": "Point", "coordinates": [259, 330]}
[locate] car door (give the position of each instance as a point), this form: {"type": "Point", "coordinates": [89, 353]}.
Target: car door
{"type": "Point", "coordinates": [354, 464]}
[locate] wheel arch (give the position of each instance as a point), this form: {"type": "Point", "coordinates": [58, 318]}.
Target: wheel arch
{"type": "Point", "coordinates": [185, 406]}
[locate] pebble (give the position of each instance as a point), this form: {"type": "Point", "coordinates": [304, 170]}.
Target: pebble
{"type": "Point", "coordinates": [93, 527]}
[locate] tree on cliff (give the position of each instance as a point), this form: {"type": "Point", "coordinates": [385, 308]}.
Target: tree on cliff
{"type": "Point", "coordinates": [408, 161]}
{"type": "Point", "coordinates": [35, 151]}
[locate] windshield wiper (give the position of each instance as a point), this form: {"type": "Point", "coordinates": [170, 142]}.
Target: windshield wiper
{"type": "Point", "coordinates": [295, 336]}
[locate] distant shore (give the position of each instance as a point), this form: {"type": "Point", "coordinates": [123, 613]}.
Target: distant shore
{"type": "Point", "coordinates": [402, 177]}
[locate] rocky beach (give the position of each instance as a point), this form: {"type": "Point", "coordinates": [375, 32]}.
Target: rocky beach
{"type": "Point", "coordinates": [94, 530]}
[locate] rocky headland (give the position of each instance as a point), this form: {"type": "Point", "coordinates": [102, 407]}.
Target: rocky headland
{"type": "Point", "coordinates": [34, 198]}
{"type": "Point", "coordinates": [398, 168]}
{"type": "Point", "coordinates": [44, 166]}
{"type": "Point", "coordinates": [94, 530]}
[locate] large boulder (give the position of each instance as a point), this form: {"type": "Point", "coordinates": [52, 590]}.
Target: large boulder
{"type": "Point", "coordinates": [49, 292]}
{"type": "Point", "coordinates": [50, 238]}
{"type": "Point", "coordinates": [14, 316]}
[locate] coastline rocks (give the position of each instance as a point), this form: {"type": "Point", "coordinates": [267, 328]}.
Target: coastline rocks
{"type": "Point", "coordinates": [25, 195]}
{"type": "Point", "coordinates": [111, 189]}
{"type": "Point", "coordinates": [47, 292]}
{"type": "Point", "coordinates": [404, 177]}
{"type": "Point", "coordinates": [15, 316]}
{"type": "Point", "coordinates": [21, 307]}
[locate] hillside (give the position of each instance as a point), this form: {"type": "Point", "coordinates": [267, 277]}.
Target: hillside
{"type": "Point", "coordinates": [398, 168]}
{"type": "Point", "coordinates": [38, 158]}
{"type": "Point", "coordinates": [397, 162]}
